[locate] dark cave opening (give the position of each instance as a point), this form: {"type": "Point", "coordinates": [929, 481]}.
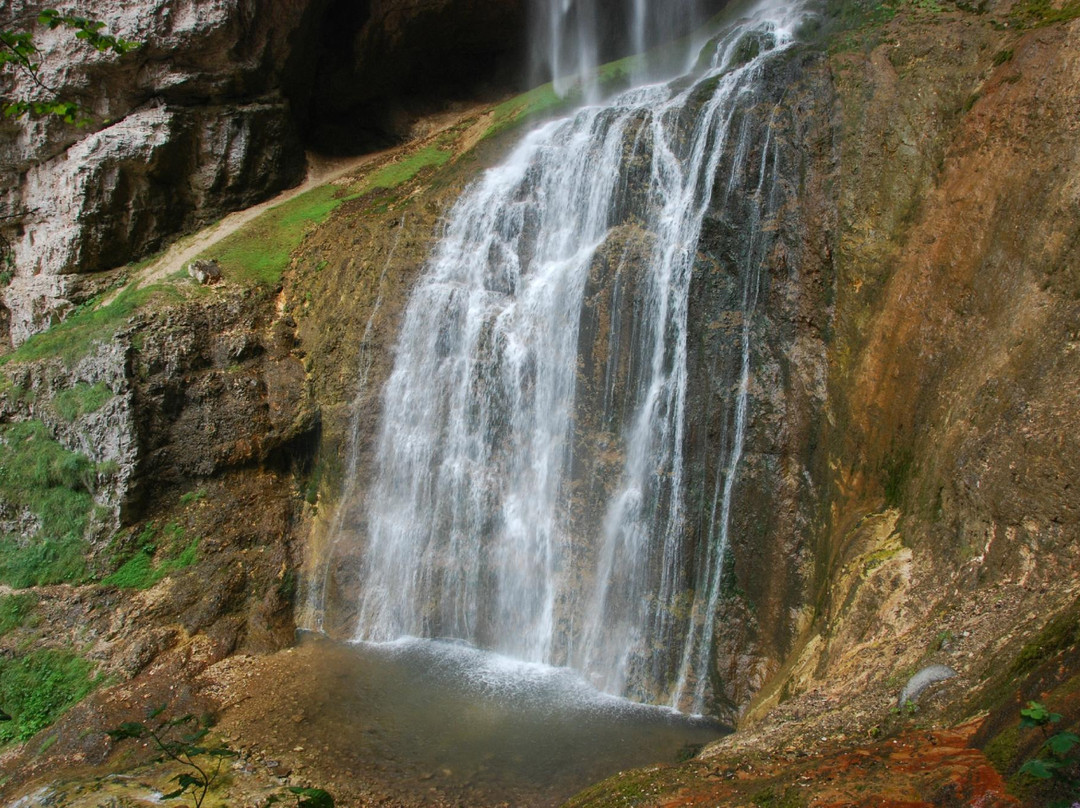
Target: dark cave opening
{"type": "Point", "coordinates": [362, 71]}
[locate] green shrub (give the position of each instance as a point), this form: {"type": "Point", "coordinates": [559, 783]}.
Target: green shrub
{"type": "Point", "coordinates": [15, 611]}
{"type": "Point", "coordinates": [35, 689]}
{"type": "Point", "coordinates": [141, 571]}
{"type": "Point", "coordinates": [82, 399]}
{"type": "Point", "coordinates": [40, 476]}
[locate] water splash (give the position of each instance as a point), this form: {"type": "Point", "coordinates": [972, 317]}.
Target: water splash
{"type": "Point", "coordinates": [475, 529]}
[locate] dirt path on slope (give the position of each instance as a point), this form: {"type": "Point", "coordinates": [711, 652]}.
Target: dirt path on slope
{"type": "Point", "coordinates": [321, 171]}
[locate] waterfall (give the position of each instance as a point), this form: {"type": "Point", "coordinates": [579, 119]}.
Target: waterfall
{"type": "Point", "coordinates": [515, 506]}
{"type": "Point", "coordinates": [570, 38]}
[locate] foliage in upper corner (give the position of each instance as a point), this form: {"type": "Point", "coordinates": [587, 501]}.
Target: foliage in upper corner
{"type": "Point", "coordinates": [54, 487]}
{"type": "Point", "coordinates": [20, 54]}
{"type": "Point", "coordinates": [1039, 13]}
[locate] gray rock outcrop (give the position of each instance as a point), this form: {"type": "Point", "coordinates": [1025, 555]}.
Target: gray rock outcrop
{"type": "Point", "coordinates": [930, 675]}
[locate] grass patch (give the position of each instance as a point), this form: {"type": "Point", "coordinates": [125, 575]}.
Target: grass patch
{"type": "Point", "coordinates": [89, 324]}
{"type": "Point", "coordinates": [15, 611]}
{"type": "Point", "coordinates": [1037, 13]}
{"type": "Point", "coordinates": [155, 557]}
{"type": "Point", "coordinates": [192, 496]}
{"type": "Point", "coordinates": [38, 475]}
{"type": "Point", "coordinates": [851, 25]}
{"type": "Point", "coordinates": [35, 689]}
{"type": "Point", "coordinates": [395, 174]}
{"type": "Point", "coordinates": [259, 252]}
{"type": "Point", "coordinates": [1060, 633]}
{"type": "Point", "coordinates": [523, 107]}
{"type": "Point", "coordinates": [82, 399]}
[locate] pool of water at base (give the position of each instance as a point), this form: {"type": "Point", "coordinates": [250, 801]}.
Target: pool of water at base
{"type": "Point", "coordinates": [431, 722]}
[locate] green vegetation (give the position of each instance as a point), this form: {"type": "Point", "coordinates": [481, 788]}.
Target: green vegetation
{"type": "Point", "coordinates": [172, 552]}
{"type": "Point", "coordinates": [184, 741]}
{"type": "Point", "coordinates": [38, 687]}
{"type": "Point", "coordinates": [850, 24]}
{"type": "Point", "coordinates": [259, 253]}
{"type": "Point", "coordinates": [192, 496]}
{"type": "Point", "coordinates": [1060, 633]}
{"type": "Point", "coordinates": [524, 107]}
{"type": "Point", "coordinates": [1056, 763]}
{"type": "Point", "coordinates": [770, 798]}
{"type": "Point", "coordinates": [40, 476]}
{"type": "Point", "coordinates": [180, 740]}
{"type": "Point", "coordinates": [393, 175]}
{"type": "Point", "coordinates": [90, 324]}
{"type": "Point", "coordinates": [82, 399]}
{"type": "Point", "coordinates": [15, 611]}
{"type": "Point", "coordinates": [19, 54]}
{"type": "Point", "coordinates": [1038, 13]}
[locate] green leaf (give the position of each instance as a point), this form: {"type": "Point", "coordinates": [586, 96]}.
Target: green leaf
{"type": "Point", "coordinates": [312, 797]}
{"type": "Point", "coordinates": [172, 795]}
{"type": "Point", "coordinates": [129, 729]}
{"type": "Point", "coordinates": [1039, 768]}
{"type": "Point", "coordinates": [185, 780]}
{"type": "Point", "coordinates": [1036, 715]}
{"type": "Point", "coordinates": [1060, 744]}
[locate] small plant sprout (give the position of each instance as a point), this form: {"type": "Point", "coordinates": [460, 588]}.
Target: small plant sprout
{"type": "Point", "coordinates": [180, 740]}
{"type": "Point", "coordinates": [1055, 759]}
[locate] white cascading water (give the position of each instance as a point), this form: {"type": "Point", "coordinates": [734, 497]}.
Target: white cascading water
{"type": "Point", "coordinates": [469, 528]}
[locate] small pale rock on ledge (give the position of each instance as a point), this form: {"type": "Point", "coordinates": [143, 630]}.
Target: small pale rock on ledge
{"type": "Point", "coordinates": [930, 675]}
{"type": "Point", "coordinates": [205, 272]}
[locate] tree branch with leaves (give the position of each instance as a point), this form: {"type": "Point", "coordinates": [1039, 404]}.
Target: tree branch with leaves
{"type": "Point", "coordinates": [20, 55]}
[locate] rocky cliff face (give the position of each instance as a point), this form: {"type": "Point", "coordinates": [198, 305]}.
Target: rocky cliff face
{"type": "Point", "coordinates": [211, 114]}
{"type": "Point", "coordinates": [909, 478]}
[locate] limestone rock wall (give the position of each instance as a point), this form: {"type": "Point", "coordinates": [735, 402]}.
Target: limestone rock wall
{"type": "Point", "coordinates": [211, 114]}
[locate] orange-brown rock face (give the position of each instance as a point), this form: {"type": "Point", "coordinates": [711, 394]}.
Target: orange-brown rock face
{"type": "Point", "coordinates": [928, 769]}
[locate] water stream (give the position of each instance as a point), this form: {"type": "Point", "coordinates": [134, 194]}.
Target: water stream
{"type": "Point", "coordinates": [515, 505]}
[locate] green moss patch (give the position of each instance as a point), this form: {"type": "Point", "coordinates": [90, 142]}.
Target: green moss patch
{"type": "Point", "coordinates": [36, 688]}
{"type": "Point", "coordinates": [40, 476]}
{"type": "Point", "coordinates": [82, 399]}
{"type": "Point", "coordinates": [1037, 13]}
{"type": "Point", "coordinates": [259, 252]}
{"type": "Point", "coordinates": [16, 611]}
{"type": "Point", "coordinates": [395, 174]}
{"type": "Point", "coordinates": [157, 555]}
{"type": "Point", "coordinates": [1059, 634]}
{"type": "Point", "coordinates": [90, 324]}
{"type": "Point", "coordinates": [524, 107]}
